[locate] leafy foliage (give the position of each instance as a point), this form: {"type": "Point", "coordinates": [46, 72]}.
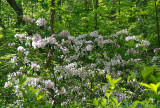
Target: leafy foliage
{"type": "Point", "coordinates": [75, 69]}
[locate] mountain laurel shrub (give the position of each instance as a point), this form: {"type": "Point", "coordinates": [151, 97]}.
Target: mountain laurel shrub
{"type": "Point", "coordinates": [61, 70]}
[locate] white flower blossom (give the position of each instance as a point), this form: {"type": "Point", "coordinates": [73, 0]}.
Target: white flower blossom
{"type": "Point", "coordinates": [130, 38]}
{"type": "Point", "coordinates": [51, 40]}
{"type": "Point", "coordinates": [94, 33]}
{"type": "Point", "coordinates": [156, 50]}
{"type": "Point", "coordinates": [89, 47]}
{"type": "Point", "coordinates": [34, 66]}
{"type": "Point", "coordinates": [39, 44]}
{"type": "Point", "coordinates": [36, 37]}
{"type": "Point", "coordinates": [41, 22]}
{"type": "Point", "coordinates": [26, 60]}
{"type": "Point", "coordinates": [63, 103]}
{"type": "Point", "coordinates": [62, 91]}
{"type": "Point", "coordinates": [26, 53]}
{"type": "Point", "coordinates": [83, 99]}
{"type": "Point", "coordinates": [20, 48]}
{"type": "Point", "coordinates": [14, 59]}
{"type": "Point", "coordinates": [145, 43]}
{"type": "Point", "coordinates": [115, 62]}
{"type": "Point", "coordinates": [155, 58]}
{"type": "Point", "coordinates": [26, 18]}
{"type": "Point", "coordinates": [7, 84]}
{"type": "Point", "coordinates": [19, 36]}
{"type": "Point", "coordinates": [64, 33]}
{"type": "Point", "coordinates": [49, 84]}
{"type": "Point", "coordinates": [11, 44]}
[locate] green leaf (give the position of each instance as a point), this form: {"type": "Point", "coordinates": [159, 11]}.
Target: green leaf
{"type": "Point", "coordinates": [144, 84]}
{"type": "Point", "coordinates": [147, 71]}
{"type": "Point", "coordinates": [135, 104]}
{"type": "Point", "coordinates": [151, 86]}
{"type": "Point", "coordinates": [155, 87]}
{"type": "Point", "coordinates": [109, 78]}
{"type": "Point", "coordinates": [128, 78]}
{"type": "Point", "coordinates": [157, 2]}
{"type": "Point", "coordinates": [40, 95]}
{"type": "Point", "coordinates": [95, 101]}
{"type": "Point", "coordinates": [117, 80]}
{"type": "Point", "coordinates": [115, 101]}
{"type": "Point", "coordinates": [22, 80]}
{"type": "Point", "coordinates": [108, 93]}
{"type": "Point", "coordinates": [28, 88]}
{"type": "Point", "coordinates": [24, 93]}
{"type": "Point", "coordinates": [103, 102]}
{"type": "Point", "coordinates": [153, 78]}
{"type": "Point", "coordinates": [75, 104]}
{"type": "Point", "coordinates": [35, 92]}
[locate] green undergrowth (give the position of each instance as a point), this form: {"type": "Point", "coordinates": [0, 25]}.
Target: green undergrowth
{"type": "Point", "coordinates": [5, 56]}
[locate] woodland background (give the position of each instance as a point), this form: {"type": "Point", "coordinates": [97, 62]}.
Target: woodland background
{"type": "Point", "coordinates": [139, 17]}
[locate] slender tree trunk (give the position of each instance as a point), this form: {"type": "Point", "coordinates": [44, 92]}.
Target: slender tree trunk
{"type": "Point", "coordinates": [119, 11]}
{"type": "Point", "coordinates": [93, 3]}
{"type": "Point", "coordinates": [119, 7]}
{"type": "Point", "coordinates": [69, 13]}
{"type": "Point", "coordinates": [32, 11]}
{"type": "Point", "coordinates": [86, 5]}
{"type": "Point", "coordinates": [157, 21]}
{"type": "Point", "coordinates": [113, 11]}
{"type": "Point", "coordinates": [95, 17]}
{"type": "Point", "coordinates": [17, 9]}
{"type": "Point", "coordinates": [52, 16]}
{"type": "Point", "coordinates": [60, 17]}
{"type": "Point", "coordinates": [86, 12]}
{"type": "Point", "coordinates": [1, 24]}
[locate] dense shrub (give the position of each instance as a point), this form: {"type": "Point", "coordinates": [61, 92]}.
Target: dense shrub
{"type": "Point", "coordinates": [75, 71]}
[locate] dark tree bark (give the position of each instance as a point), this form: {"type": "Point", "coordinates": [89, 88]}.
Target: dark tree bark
{"type": "Point", "coordinates": [1, 24]}
{"type": "Point", "coordinates": [86, 5]}
{"type": "Point", "coordinates": [59, 16]}
{"type": "Point", "coordinates": [86, 10]}
{"type": "Point", "coordinates": [113, 11]}
{"type": "Point", "coordinates": [132, 18]}
{"type": "Point", "coordinates": [119, 7]}
{"type": "Point", "coordinates": [52, 16]}
{"type": "Point", "coordinates": [17, 9]}
{"type": "Point", "coordinates": [155, 5]}
{"type": "Point", "coordinates": [69, 13]}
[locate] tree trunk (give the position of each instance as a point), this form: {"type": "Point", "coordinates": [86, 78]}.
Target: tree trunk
{"type": "Point", "coordinates": [119, 7]}
{"type": "Point", "coordinates": [69, 21]}
{"type": "Point", "coordinates": [86, 12]}
{"type": "Point", "coordinates": [113, 11]}
{"type": "Point", "coordinates": [93, 3]}
{"type": "Point", "coordinates": [95, 17]}
{"type": "Point", "coordinates": [1, 24]}
{"type": "Point", "coordinates": [157, 21]}
{"type": "Point", "coordinates": [60, 5]}
{"type": "Point", "coordinates": [17, 9]}
{"type": "Point", "coordinates": [52, 16]}
{"type": "Point", "coordinates": [86, 5]}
